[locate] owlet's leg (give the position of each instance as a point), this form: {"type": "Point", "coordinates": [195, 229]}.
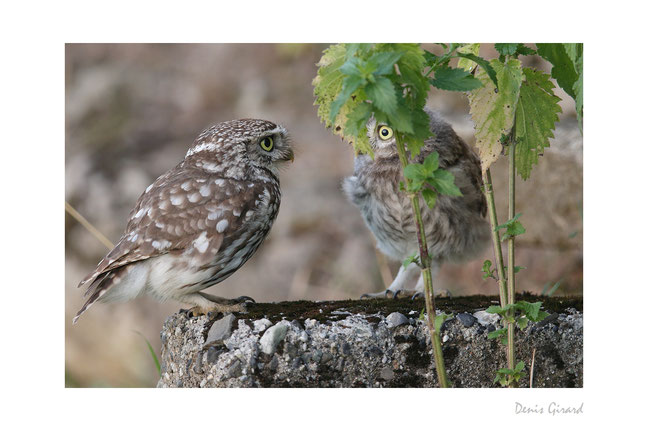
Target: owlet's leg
{"type": "Point", "coordinates": [404, 278]}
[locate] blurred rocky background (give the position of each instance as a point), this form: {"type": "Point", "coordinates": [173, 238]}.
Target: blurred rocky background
{"type": "Point", "coordinates": [132, 110]}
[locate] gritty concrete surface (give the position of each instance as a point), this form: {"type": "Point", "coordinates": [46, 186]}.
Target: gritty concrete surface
{"type": "Point", "coordinates": [343, 347]}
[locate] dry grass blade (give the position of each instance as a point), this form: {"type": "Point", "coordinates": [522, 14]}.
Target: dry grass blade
{"type": "Point", "coordinates": [531, 372]}
{"type": "Point", "coordinates": [86, 224]}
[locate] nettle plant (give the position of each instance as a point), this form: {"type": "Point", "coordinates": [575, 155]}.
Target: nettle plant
{"type": "Point", "coordinates": [514, 111]}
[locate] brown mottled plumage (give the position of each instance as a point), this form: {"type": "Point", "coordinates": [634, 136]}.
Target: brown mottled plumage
{"type": "Point", "coordinates": [200, 221]}
{"type": "Point", "coordinates": [455, 228]}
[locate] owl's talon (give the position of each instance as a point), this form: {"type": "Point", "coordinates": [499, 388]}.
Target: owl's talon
{"type": "Point", "coordinates": [245, 299]}
{"type": "Point", "coordinates": [416, 295]}
{"type": "Point", "coordinates": [396, 292]}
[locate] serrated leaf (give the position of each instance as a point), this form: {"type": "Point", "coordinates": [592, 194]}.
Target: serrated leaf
{"type": "Point", "coordinates": [519, 366]}
{"type": "Point", "coordinates": [415, 172]}
{"type": "Point", "coordinates": [429, 196]}
{"type": "Point", "coordinates": [383, 94]}
{"type": "Point", "coordinates": [535, 119]}
{"type": "Point", "coordinates": [499, 333]}
{"type": "Point", "coordinates": [493, 112]}
{"type": "Point", "coordinates": [522, 322]}
{"type": "Point", "coordinates": [563, 70]}
{"type": "Point", "coordinates": [513, 229]}
{"type": "Point", "coordinates": [349, 86]}
{"type": "Point", "coordinates": [522, 49]}
{"type": "Point", "coordinates": [486, 269]}
{"type": "Point", "coordinates": [431, 163]}
{"type": "Point", "coordinates": [447, 78]}
{"type": "Point", "coordinates": [351, 67]}
{"type": "Point", "coordinates": [483, 63]}
{"type": "Point", "coordinates": [444, 183]}
{"type": "Point", "coordinates": [506, 48]}
{"type": "Point", "coordinates": [384, 62]}
{"type": "Point", "coordinates": [495, 309]}
{"type": "Point", "coordinates": [401, 120]}
{"type": "Point", "coordinates": [530, 309]}
{"type": "Point", "coordinates": [327, 85]}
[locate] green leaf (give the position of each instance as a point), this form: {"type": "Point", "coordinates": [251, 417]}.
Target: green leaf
{"type": "Point", "coordinates": [575, 53]}
{"type": "Point", "coordinates": [465, 62]}
{"type": "Point", "coordinates": [414, 258]}
{"type": "Point", "coordinates": [509, 222]}
{"type": "Point", "coordinates": [525, 50]}
{"type": "Point", "coordinates": [535, 118]}
{"type": "Point", "coordinates": [512, 230]}
{"type": "Point", "coordinates": [357, 118]}
{"type": "Point", "coordinates": [349, 86]}
{"type": "Point", "coordinates": [563, 70]}
{"type": "Point", "coordinates": [498, 334]}
{"type": "Point", "coordinates": [439, 319]}
{"type": "Point", "coordinates": [152, 353]}
{"type": "Point", "coordinates": [514, 49]}
{"type": "Point", "coordinates": [384, 62]}
{"type": "Point", "coordinates": [506, 48]}
{"type": "Point", "coordinates": [522, 322]}
{"type": "Point", "coordinates": [401, 119]}
{"type": "Point", "coordinates": [444, 183]}
{"type": "Point", "coordinates": [531, 309]}
{"type": "Point", "coordinates": [485, 64]}
{"type": "Point", "coordinates": [519, 366]}
{"type": "Point", "coordinates": [493, 112]}
{"type": "Point", "coordinates": [327, 86]}
{"type": "Point", "coordinates": [429, 196]}
{"type": "Point", "coordinates": [496, 309]}
{"type": "Point", "coordinates": [415, 171]}
{"type": "Point", "coordinates": [447, 78]}
{"type": "Point", "coordinates": [431, 163]}
{"type": "Point", "coordinates": [486, 269]}
{"type": "Point", "coordinates": [383, 94]}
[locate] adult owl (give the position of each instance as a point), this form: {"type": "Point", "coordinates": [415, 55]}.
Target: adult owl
{"type": "Point", "coordinates": [455, 228]}
{"type": "Point", "coordinates": [200, 221]}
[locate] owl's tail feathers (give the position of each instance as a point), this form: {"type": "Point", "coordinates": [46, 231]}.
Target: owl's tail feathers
{"type": "Point", "coordinates": [95, 291]}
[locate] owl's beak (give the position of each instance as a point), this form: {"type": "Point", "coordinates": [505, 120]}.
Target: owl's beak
{"type": "Point", "coordinates": [290, 156]}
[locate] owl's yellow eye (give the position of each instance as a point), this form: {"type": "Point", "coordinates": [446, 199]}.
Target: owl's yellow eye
{"type": "Point", "coordinates": [267, 143]}
{"type": "Point", "coordinates": [385, 132]}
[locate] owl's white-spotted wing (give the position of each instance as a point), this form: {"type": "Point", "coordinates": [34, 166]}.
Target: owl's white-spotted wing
{"type": "Point", "coordinates": [184, 212]}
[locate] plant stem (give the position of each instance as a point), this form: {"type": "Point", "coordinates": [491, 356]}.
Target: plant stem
{"type": "Point", "coordinates": [511, 257]}
{"type": "Point", "coordinates": [425, 270]}
{"type": "Point", "coordinates": [497, 246]}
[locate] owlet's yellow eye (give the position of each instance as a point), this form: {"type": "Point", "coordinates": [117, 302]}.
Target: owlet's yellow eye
{"type": "Point", "coordinates": [385, 132]}
{"type": "Point", "coordinates": [267, 143]}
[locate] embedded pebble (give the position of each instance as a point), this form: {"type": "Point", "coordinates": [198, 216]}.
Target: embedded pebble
{"type": "Point", "coordinates": [221, 329]}
{"type": "Point", "coordinates": [485, 318]}
{"type": "Point", "coordinates": [273, 336]}
{"type": "Point", "coordinates": [466, 319]}
{"type": "Point", "coordinates": [396, 319]}
{"type": "Point", "coordinates": [261, 325]}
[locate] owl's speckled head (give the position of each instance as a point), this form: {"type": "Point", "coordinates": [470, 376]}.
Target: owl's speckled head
{"type": "Point", "coordinates": [381, 139]}
{"type": "Point", "coordinates": [233, 147]}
